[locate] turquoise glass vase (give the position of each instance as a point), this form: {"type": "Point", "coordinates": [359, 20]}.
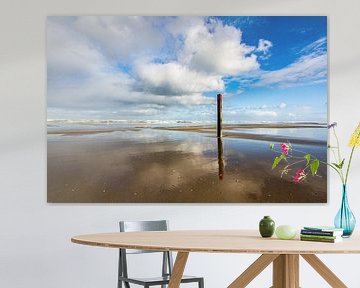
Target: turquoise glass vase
{"type": "Point", "coordinates": [345, 219]}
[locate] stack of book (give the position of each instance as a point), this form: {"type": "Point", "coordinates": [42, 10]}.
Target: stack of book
{"type": "Point", "coordinates": [321, 234]}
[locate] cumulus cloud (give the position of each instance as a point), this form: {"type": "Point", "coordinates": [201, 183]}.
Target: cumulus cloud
{"type": "Point", "coordinates": [175, 79]}
{"type": "Point", "coordinates": [121, 38]}
{"type": "Point", "coordinates": [96, 62]}
{"type": "Point", "coordinates": [214, 48]}
{"type": "Point", "coordinates": [143, 66]}
{"type": "Point", "coordinates": [70, 54]}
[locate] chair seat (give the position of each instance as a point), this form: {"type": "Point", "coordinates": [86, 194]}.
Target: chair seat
{"type": "Point", "coordinates": [158, 280]}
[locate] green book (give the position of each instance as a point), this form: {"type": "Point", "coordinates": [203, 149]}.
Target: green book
{"type": "Point", "coordinates": [319, 236]}
{"type": "Point", "coordinates": [325, 240]}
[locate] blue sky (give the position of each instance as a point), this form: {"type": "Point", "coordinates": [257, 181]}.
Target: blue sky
{"type": "Point", "coordinates": [171, 68]}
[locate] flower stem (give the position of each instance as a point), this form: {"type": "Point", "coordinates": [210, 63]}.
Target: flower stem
{"type": "Point", "coordinates": [338, 145]}
{"type": "Point", "coordinates": [339, 171]}
{"type": "Point", "coordinates": [350, 159]}
{"type": "Point", "coordinates": [322, 162]}
{"type": "Point", "coordinates": [339, 155]}
{"type": "Point", "coordinates": [348, 167]}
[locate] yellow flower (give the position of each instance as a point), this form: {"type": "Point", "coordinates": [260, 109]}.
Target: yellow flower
{"type": "Point", "coordinates": [355, 138]}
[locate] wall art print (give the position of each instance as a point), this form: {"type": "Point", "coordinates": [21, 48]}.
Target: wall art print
{"type": "Point", "coordinates": [133, 108]}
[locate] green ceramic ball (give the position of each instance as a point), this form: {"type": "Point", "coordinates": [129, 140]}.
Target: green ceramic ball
{"type": "Point", "coordinates": [285, 232]}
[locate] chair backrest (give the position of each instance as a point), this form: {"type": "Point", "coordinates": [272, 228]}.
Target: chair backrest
{"type": "Point", "coordinates": [137, 226]}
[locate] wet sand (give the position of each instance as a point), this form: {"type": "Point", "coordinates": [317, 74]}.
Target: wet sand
{"type": "Point", "coordinates": [211, 130]}
{"type": "Point", "coordinates": [104, 168]}
{"type": "Point", "coordinates": [227, 132]}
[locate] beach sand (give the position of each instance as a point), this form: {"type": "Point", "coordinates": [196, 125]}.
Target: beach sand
{"type": "Point", "coordinates": [175, 165]}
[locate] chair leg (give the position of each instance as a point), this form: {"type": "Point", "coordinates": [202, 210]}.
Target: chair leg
{"type": "Point", "coordinates": [201, 283]}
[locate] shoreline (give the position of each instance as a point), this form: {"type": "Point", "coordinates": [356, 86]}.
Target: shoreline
{"type": "Point", "coordinates": [211, 131]}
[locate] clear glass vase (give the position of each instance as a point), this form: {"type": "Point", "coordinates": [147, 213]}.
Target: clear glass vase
{"type": "Point", "coordinates": [345, 219]}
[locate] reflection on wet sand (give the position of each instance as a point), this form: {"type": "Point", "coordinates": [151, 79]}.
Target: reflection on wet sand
{"type": "Point", "coordinates": [171, 166]}
{"type": "Point", "coordinates": [221, 160]}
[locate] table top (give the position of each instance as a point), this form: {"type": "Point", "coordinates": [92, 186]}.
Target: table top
{"type": "Point", "coordinates": [216, 241]}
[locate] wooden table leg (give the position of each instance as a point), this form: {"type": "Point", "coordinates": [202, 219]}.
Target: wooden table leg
{"type": "Point", "coordinates": [178, 269]}
{"type": "Point", "coordinates": [293, 261]}
{"type": "Point", "coordinates": [286, 271]}
{"type": "Point", "coordinates": [324, 271]}
{"type": "Point", "coordinates": [253, 270]}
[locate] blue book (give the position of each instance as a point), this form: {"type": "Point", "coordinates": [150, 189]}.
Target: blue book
{"type": "Point", "coordinates": [322, 231]}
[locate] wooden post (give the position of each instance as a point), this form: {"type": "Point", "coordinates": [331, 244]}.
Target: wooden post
{"type": "Point", "coordinates": [219, 115]}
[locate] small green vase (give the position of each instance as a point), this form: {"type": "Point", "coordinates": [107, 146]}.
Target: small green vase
{"type": "Point", "coordinates": [267, 227]}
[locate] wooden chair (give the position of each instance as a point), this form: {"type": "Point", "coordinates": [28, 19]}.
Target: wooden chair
{"type": "Point", "coordinates": [167, 263]}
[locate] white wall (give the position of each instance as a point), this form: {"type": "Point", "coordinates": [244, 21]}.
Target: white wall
{"type": "Point", "coordinates": [35, 248]}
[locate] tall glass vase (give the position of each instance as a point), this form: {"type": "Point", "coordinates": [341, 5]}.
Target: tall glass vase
{"type": "Point", "coordinates": [345, 219]}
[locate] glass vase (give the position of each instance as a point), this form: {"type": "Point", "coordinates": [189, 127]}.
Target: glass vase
{"type": "Point", "coordinates": [345, 219]}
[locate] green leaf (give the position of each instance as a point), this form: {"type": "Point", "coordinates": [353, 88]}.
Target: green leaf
{"type": "Point", "coordinates": [271, 146]}
{"type": "Point", "coordinates": [307, 157]}
{"type": "Point", "coordinates": [339, 166]}
{"type": "Point", "coordinates": [336, 165]}
{"type": "Point", "coordinates": [276, 162]}
{"type": "Point", "coordinates": [342, 163]}
{"type": "Point", "coordinates": [314, 166]}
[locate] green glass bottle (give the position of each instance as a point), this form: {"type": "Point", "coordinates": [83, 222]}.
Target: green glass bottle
{"type": "Point", "coordinates": [267, 227]}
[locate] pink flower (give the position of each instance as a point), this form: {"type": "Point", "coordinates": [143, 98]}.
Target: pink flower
{"type": "Point", "coordinates": [285, 148]}
{"type": "Point", "coordinates": [299, 176]}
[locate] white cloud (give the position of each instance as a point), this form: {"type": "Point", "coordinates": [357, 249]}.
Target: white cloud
{"type": "Point", "coordinates": [319, 46]}
{"type": "Point", "coordinates": [82, 74]}
{"type": "Point", "coordinates": [121, 38]}
{"type": "Point", "coordinates": [235, 93]}
{"type": "Point", "coordinates": [310, 68]}
{"type": "Point", "coordinates": [261, 113]}
{"type": "Point", "coordinates": [264, 49]}
{"type": "Point", "coordinates": [282, 105]}
{"type": "Point", "coordinates": [253, 112]}
{"type": "Point", "coordinates": [139, 65]}
{"type": "Point", "coordinates": [70, 55]}
{"type": "Point", "coordinates": [213, 48]}
{"type": "Point", "coordinates": [264, 45]}
{"type": "Point", "coordinates": [175, 79]}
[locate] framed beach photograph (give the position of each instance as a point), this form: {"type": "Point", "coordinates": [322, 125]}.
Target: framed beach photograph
{"type": "Point", "coordinates": [186, 109]}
